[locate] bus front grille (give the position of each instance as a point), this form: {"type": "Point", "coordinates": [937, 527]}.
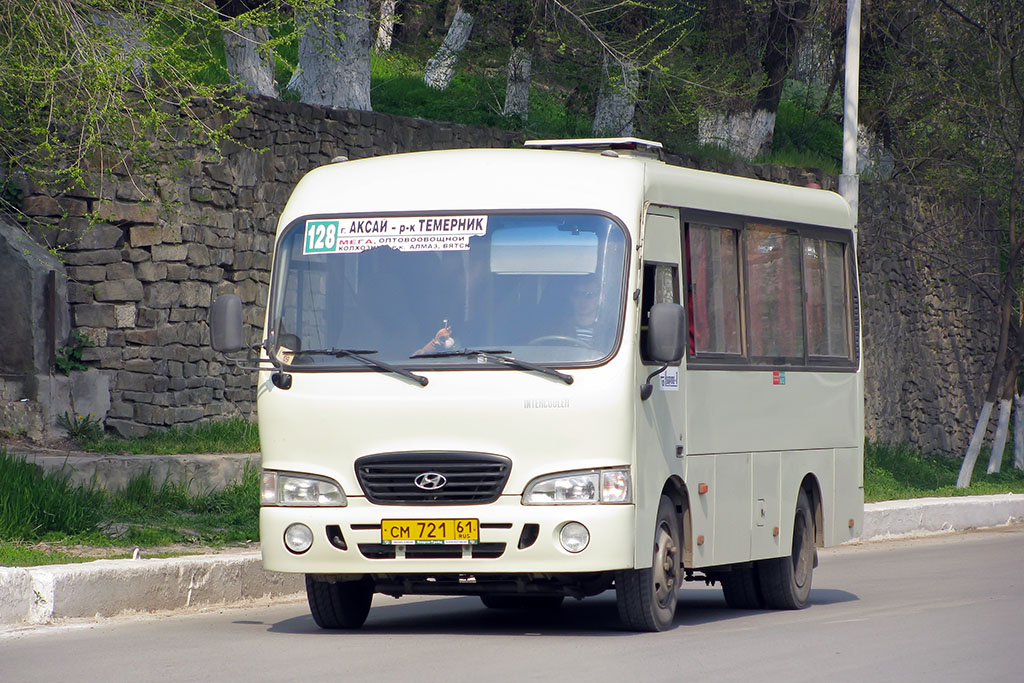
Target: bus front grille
{"type": "Point", "coordinates": [433, 478]}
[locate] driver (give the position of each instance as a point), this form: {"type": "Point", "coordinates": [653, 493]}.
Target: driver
{"type": "Point", "coordinates": [583, 319]}
{"type": "Point", "coordinates": [441, 341]}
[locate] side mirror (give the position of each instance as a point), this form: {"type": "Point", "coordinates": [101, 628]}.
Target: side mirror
{"type": "Point", "coordinates": [226, 324]}
{"type": "Point", "coordinates": [666, 333]}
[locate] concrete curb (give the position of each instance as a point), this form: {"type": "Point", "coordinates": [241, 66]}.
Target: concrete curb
{"type": "Point", "coordinates": [42, 595]}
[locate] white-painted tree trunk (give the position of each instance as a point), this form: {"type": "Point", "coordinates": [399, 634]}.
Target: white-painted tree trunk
{"type": "Point", "coordinates": [517, 90]}
{"type": "Point", "coordinates": [334, 56]}
{"type": "Point", "coordinates": [746, 134]}
{"type": "Point", "coordinates": [616, 102]}
{"type": "Point", "coordinates": [995, 458]}
{"type": "Point", "coordinates": [386, 27]}
{"type": "Point", "coordinates": [1018, 432]}
{"type": "Point", "coordinates": [971, 457]}
{"type": "Point", "coordinates": [250, 67]}
{"type": "Point", "coordinates": [441, 67]}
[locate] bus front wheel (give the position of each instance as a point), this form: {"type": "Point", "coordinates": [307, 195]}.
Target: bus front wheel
{"type": "Point", "coordinates": [647, 598]}
{"type": "Point", "coordinates": [786, 581]}
{"type": "Point", "coordinates": [339, 604]}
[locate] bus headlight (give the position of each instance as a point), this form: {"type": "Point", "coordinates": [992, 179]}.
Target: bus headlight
{"type": "Point", "coordinates": [580, 488]}
{"type": "Point", "coordinates": [283, 488]}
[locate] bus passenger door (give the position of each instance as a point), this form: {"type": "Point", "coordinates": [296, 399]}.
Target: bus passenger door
{"type": "Point", "coordinates": [661, 440]}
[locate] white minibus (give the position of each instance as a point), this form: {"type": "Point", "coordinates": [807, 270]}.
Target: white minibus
{"type": "Point", "coordinates": [543, 373]}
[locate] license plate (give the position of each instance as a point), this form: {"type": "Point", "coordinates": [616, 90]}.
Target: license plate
{"type": "Point", "coordinates": [429, 531]}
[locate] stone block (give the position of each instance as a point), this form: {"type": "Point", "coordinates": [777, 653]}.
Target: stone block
{"type": "Point", "coordinates": [178, 271]}
{"type": "Point", "coordinates": [198, 255]}
{"type": "Point", "coordinates": [41, 205]}
{"type": "Point", "coordinates": [87, 235]}
{"type": "Point", "coordinates": [119, 290]}
{"type": "Point", "coordinates": [87, 273]}
{"type": "Point", "coordinates": [79, 293]}
{"type": "Point", "coordinates": [150, 271]}
{"type": "Point", "coordinates": [127, 212]}
{"type": "Point", "coordinates": [195, 294]}
{"type": "Point", "coordinates": [93, 315]}
{"type": "Point", "coordinates": [120, 271]}
{"type": "Point", "coordinates": [145, 235]}
{"type": "Point", "coordinates": [92, 258]}
{"type": "Point", "coordinates": [169, 252]}
{"type": "Point", "coordinates": [125, 315]}
{"type": "Point", "coordinates": [162, 294]}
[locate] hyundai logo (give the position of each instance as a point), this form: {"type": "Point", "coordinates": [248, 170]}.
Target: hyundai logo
{"type": "Point", "coordinates": [430, 481]}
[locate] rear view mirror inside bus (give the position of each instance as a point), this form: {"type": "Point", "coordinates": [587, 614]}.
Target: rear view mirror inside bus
{"type": "Point", "coordinates": [666, 333]}
{"type": "Point", "coordinates": [563, 250]}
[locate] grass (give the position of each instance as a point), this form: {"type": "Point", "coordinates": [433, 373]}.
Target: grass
{"type": "Point", "coordinates": [899, 472]}
{"type": "Point", "coordinates": [44, 519]}
{"type": "Point", "coordinates": [230, 436]}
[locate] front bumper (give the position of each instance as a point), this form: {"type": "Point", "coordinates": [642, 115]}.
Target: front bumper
{"type": "Point", "coordinates": [502, 524]}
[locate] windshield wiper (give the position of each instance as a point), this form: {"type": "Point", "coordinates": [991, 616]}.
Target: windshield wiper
{"type": "Point", "coordinates": [491, 355]}
{"type": "Point", "coordinates": [360, 355]}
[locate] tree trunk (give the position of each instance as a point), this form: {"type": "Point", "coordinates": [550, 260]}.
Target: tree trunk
{"type": "Point", "coordinates": [1018, 432]}
{"type": "Point", "coordinates": [441, 67]}
{"type": "Point", "coordinates": [250, 67]}
{"type": "Point", "coordinates": [616, 103]}
{"type": "Point", "coordinates": [971, 457]}
{"type": "Point", "coordinates": [334, 56]}
{"type": "Point", "coordinates": [517, 91]}
{"type": "Point", "coordinates": [746, 134]}
{"type": "Point", "coordinates": [995, 459]}
{"type": "Point", "coordinates": [386, 27]}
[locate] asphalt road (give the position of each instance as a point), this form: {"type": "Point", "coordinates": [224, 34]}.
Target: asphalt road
{"type": "Point", "coordinates": [948, 608]}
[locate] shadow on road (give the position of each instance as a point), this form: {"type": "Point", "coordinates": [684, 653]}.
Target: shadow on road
{"type": "Point", "coordinates": [594, 616]}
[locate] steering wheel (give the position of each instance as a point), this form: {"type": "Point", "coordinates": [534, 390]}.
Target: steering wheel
{"type": "Point", "coordinates": [557, 338]}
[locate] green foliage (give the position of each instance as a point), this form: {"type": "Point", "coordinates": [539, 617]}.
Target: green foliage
{"type": "Point", "coordinates": [86, 83]}
{"type": "Point", "coordinates": [228, 436]}
{"type": "Point", "coordinates": [69, 356]}
{"type": "Point", "coordinates": [897, 472]}
{"type": "Point", "coordinates": [84, 429]}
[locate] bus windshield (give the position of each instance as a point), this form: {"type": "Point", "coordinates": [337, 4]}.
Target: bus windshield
{"type": "Point", "coordinates": [417, 290]}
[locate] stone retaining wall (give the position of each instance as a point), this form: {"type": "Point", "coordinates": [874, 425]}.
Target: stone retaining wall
{"type": "Point", "coordinates": [147, 252]}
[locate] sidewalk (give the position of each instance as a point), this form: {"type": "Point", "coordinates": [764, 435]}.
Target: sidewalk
{"type": "Point", "coordinates": [104, 588]}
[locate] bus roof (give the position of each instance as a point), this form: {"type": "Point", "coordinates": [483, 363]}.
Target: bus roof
{"type": "Point", "coordinates": [474, 180]}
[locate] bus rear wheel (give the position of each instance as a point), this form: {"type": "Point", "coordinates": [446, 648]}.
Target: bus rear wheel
{"type": "Point", "coordinates": [647, 598]}
{"type": "Point", "coordinates": [741, 588]}
{"type": "Point", "coordinates": [786, 581]}
{"type": "Point", "coordinates": [339, 604]}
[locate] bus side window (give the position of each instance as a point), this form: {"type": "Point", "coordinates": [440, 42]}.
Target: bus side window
{"type": "Point", "coordinates": [660, 286]}
{"type": "Point", "coordinates": [714, 289]}
{"type": "Point", "coordinates": [828, 299]}
{"type": "Point", "coordinates": [774, 294]}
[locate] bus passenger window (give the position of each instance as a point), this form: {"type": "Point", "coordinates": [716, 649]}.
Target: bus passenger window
{"type": "Point", "coordinates": [714, 289]}
{"type": "Point", "coordinates": [827, 296]}
{"type": "Point", "coordinates": [774, 293]}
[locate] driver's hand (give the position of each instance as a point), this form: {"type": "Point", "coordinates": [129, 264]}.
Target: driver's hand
{"type": "Point", "coordinates": [442, 340]}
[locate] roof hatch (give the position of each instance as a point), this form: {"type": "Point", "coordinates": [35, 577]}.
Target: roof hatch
{"type": "Point", "coordinates": [625, 146]}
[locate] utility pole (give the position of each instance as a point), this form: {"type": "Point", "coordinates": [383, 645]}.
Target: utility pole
{"type": "Point", "coordinates": [849, 181]}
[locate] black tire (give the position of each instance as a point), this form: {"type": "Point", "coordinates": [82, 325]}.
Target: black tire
{"type": "Point", "coordinates": [647, 597]}
{"type": "Point", "coordinates": [786, 581]}
{"type": "Point", "coordinates": [528, 602]}
{"type": "Point", "coordinates": [742, 588]}
{"type": "Point", "coordinates": [343, 604]}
